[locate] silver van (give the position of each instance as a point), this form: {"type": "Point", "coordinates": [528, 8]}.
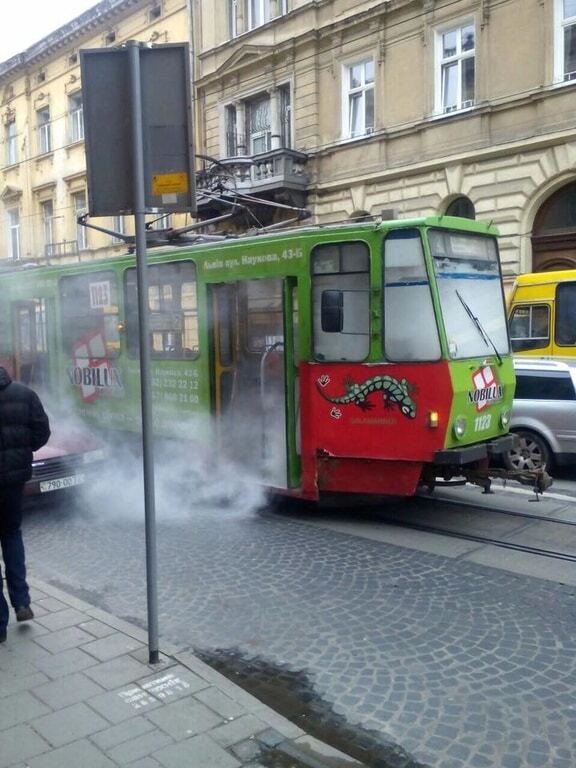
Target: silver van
{"type": "Point", "coordinates": [543, 414]}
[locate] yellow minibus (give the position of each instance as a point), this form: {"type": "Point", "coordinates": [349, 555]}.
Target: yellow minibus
{"type": "Point", "coordinates": [542, 314]}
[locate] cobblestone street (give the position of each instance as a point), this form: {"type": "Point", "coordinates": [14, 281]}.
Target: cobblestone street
{"type": "Point", "coordinates": [447, 662]}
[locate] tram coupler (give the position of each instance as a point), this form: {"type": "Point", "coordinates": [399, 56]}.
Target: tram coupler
{"type": "Point", "coordinates": [539, 479]}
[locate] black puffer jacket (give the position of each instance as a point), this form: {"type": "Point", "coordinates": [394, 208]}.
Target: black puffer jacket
{"type": "Point", "coordinates": [24, 428]}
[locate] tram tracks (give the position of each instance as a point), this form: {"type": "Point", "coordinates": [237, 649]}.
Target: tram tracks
{"type": "Point", "coordinates": [492, 541]}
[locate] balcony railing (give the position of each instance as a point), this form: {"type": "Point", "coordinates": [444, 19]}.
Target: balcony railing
{"type": "Point", "coordinates": [275, 169]}
{"type": "Point", "coordinates": [65, 248]}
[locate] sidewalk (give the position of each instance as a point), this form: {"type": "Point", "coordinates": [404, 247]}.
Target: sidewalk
{"type": "Point", "coordinates": [76, 691]}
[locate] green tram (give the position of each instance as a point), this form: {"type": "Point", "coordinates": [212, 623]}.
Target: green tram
{"type": "Point", "coordinates": [358, 358]}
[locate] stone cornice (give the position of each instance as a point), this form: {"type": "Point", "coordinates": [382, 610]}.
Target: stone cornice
{"type": "Point", "coordinates": [88, 23]}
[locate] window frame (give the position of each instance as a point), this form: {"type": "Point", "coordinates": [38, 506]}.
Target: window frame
{"type": "Point", "coordinates": [560, 24]}
{"type": "Point", "coordinates": [13, 229]}
{"type": "Point", "coordinates": [76, 117]}
{"type": "Point", "coordinates": [81, 232]}
{"type": "Point", "coordinates": [44, 127]}
{"type": "Point", "coordinates": [47, 208]}
{"type": "Point", "coordinates": [11, 143]}
{"type": "Point", "coordinates": [265, 9]}
{"type": "Point", "coordinates": [530, 342]}
{"type": "Point", "coordinates": [156, 279]}
{"type": "Point", "coordinates": [339, 284]}
{"type": "Point", "coordinates": [441, 63]}
{"type": "Point", "coordinates": [349, 93]}
{"type": "Point", "coordinates": [107, 321]}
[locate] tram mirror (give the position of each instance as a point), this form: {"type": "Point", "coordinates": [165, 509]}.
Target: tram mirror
{"type": "Point", "coordinates": [332, 311]}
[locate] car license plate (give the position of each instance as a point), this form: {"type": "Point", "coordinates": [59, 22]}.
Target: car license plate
{"type": "Point", "coordinates": [61, 482]}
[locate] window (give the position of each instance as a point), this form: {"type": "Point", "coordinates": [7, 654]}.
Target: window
{"type": "Point", "coordinates": [565, 43]}
{"type": "Point", "coordinates": [47, 207]}
{"type": "Point", "coordinates": [545, 385]}
{"type": "Point", "coordinates": [358, 99]}
{"type": "Point", "coordinates": [461, 206]}
{"type": "Point", "coordinates": [155, 12]}
{"type": "Point", "coordinates": [14, 233]}
{"type": "Point", "coordinates": [566, 314]}
{"type": "Point", "coordinates": [44, 130]}
{"type": "Point", "coordinates": [11, 143]}
{"type": "Point", "coordinates": [410, 330]}
{"type": "Point", "coordinates": [232, 20]}
{"type": "Point", "coordinates": [258, 124]}
{"type": "Point", "coordinates": [267, 123]}
{"type": "Point", "coordinates": [261, 305]}
{"type": "Point", "coordinates": [89, 315]}
{"type": "Point", "coordinates": [469, 283]}
{"type": "Point", "coordinates": [79, 202]}
{"type": "Point", "coordinates": [119, 226]}
{"type": "Point", "coordinates": [341, 301]}
{"type": "Point", "coordinates": [173, 304]}
{"type": "Point", "coordinates": [262, 11]}
{"type": "Point", "coordinates": [76, 110]}
{"type": "Point", "coordinates": [31, 342]}
{"type": "Point", "coordinates": [530, 327]}
{"type": "Point", "coordinates": [160, 223]}
{"type": "Point", "coordinates": [456, 68]}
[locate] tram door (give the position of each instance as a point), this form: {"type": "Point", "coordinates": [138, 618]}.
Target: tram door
{"type": "Point", "coordinates": [30, 342]}
{"type": "Point", "coordinates": [249, 393]}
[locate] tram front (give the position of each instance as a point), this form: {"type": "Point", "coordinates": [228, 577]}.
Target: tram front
{"type": "Point", "coordinates": [413, 379]}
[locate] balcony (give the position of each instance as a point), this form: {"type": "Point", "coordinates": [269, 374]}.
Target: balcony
{"type": "Point", "coordinates": [57, 250]}
{"type": "Point", "coordinates": [278, 175]}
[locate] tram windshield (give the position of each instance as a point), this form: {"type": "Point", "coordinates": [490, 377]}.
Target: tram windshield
{"type": "Point", "coordinates": [470, 291]}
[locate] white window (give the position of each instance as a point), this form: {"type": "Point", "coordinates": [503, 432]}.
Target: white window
{"type": "Point", "coordinates": [160, 222]}
{"type": "Point", "coordinates": [11, 143]}
{"type": "Point", "coordinates": [48, 224]}
{"type": "Point", "coordinates": [44, 131]}
{"type": "Point", "coordinates": [455, 73]}
{"type": "Point", "coordinates": [232, 20]}
{"type": "Point", "coordinates": [119, 226]}
{"type": "Point", "coordinates": [565, 41]}
{"type": "Point", "coordinates": [76, 111]}
{"type": "Point", "coordinates": [79, 202]}
{"type": "Point", "coordinates": [259, 125]}
{"type": "Point", "coordinates": [358, 99]}
{"type": "Point", "coordinates": [14, 233]}
{"type": "Point", "coordinates": [262, 11]}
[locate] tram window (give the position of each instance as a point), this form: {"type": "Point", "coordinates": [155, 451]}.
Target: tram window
{"type": "Point", "coordinates": [566, 314]}
{"type": "Point", "coordinates": [173, 305]}
{"type": "Point", "coordinates": [89, 315]}
{"type": "Point", "coordinates": [262, 300]}
{"type": "Point", "coordinates": [341, 301]}
{"type": "Point", "coordinates": [467, 272]}
{"type": "Point", "coordinates": [530, 327]}
{"type": "Point", "coordinates": [31, 342]}
{"type": "Point", "coordinates": [410, 330]}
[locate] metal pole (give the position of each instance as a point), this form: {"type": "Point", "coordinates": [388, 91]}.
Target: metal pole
{"type": "Point", "coordinates": [144, 335]}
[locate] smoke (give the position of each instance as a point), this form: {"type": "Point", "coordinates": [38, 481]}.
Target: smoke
{"type": "Point", "coordinates": [188, 476]}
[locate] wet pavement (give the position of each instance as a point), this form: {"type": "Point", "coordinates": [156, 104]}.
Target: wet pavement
{"type": "Point", "coordinates": [409, 658]}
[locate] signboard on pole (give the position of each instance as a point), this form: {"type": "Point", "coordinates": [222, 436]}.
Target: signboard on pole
{"type": "Point", "coordinates": [169, 181]}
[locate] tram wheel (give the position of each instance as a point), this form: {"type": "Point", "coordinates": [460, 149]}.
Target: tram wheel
{"type": "Point", "coordinates": [532, 452]}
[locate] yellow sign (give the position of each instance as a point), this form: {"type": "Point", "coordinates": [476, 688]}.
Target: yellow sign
{"type": "Point", "coordinates": [169, 183]}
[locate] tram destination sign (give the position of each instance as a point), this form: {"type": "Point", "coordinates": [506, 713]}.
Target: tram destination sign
{"type": "Point", "coordinates": [165, 106]}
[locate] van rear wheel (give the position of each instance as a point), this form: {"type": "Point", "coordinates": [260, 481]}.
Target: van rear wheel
{"type": "Point", "coordinates": [532, 452]}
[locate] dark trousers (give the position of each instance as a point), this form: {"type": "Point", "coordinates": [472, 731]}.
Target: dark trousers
{"type": "Point", "coordinates": [12, 551]}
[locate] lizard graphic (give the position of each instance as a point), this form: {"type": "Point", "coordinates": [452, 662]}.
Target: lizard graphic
{"type": "Point", "coordinates": [394, 392]}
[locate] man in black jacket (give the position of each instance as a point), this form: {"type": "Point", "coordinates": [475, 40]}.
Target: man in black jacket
{"type": "Point", "coordinates": [24, 428]}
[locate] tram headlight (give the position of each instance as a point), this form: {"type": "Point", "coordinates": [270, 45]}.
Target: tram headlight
{"type": "Point", "coordinates": [459, 427]}
{"type": "Point", "coordinates": [505, 417]}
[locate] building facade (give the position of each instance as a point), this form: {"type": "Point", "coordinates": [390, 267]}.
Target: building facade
{"type": "Point", "coordinates": [42, 154]}
{"type": "Point", "coordinates": [348, 108]}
